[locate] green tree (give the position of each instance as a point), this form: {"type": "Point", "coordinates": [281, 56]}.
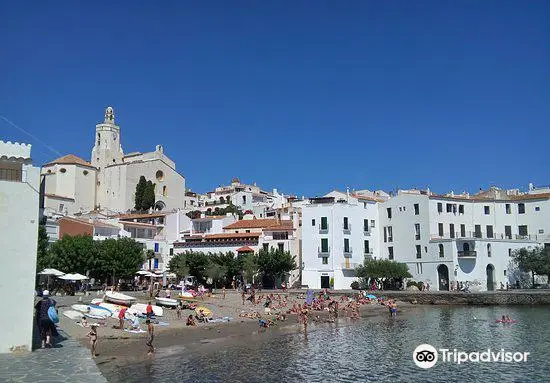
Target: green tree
{"type": "Point", "coordinates": [120, 258]}
{"type": "Point", "coordinates": [42, 249]}
{"type": "Point", "coordinates": [198, 263]}
{"type": "Point", "coordinates": [178, 265]}
{"type": "Point", "coordinates": [149, 255]}
{"type": "Point", "coordinates": [274, 264]}
{"type": "Point", "coordinates": [141, 187]}
{"type": "Point", "coordinates": [78, 254]}
{"type": "Point", "coordinates": [149, 196]}
{"type": "Point", "coordinates": [382, 268]}
{"type": "Point", "coordinates": [533, 260]}
{"type": "Point", "coordinates": [231, 265]}
{"type": "Point", "coordinates": [216, 272]}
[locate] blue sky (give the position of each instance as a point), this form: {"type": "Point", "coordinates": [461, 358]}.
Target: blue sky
{"type": "Point", "coordinates": [304, 96]}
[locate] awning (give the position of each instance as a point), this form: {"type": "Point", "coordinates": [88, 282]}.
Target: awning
{"type": "Point", "coordinates": [245, 249]}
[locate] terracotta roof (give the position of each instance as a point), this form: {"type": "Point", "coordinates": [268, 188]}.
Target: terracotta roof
{"type": "Point", "coordinates": [71, 159]}
{"type": "Point", "coordinates": [265, 223]}
{"type": "Point", "coordinates": [244, 249]}
{"type": "Point", "coordinates": [94, 223]}
{"type": "Point", "coordinates": [530, 196]}
{"type": "Point", "coordinates": [58, 197]}
{"type": "Point", "coordinates": [141, 215]}
{"type": "Point", "coordinates": [367, 198]}
{"type": "Point", "coordinates": [231, 235]}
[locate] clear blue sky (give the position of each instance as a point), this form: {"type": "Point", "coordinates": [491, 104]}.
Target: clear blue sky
{"type": "Point", "coordinates": [304, 96]}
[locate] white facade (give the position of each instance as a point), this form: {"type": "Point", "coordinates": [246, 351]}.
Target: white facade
{"type": "Point", "coordinates": [336, 238]}
{"type": "Point", "coordinates": [19, 197]}
{"type": "Point", "coordinates": [71, 185]}
{"type": "Point", "coordinates": [460, 237]}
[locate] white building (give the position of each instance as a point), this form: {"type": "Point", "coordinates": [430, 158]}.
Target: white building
{"type": "Point", "coordinates": [463, 238]}
{"type": "Point", "coordinates": [339, 231]}
{"type": "Point", "coordinates": [72, 185]}
{"type": "Point", "coordinates": [19, 196]}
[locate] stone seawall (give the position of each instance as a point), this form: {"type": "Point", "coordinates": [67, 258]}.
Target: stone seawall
{"type": "Point", "coordinates": [481, 299]}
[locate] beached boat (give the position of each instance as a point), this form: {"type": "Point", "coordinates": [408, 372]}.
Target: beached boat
{"type": "Point", "coordinates": [92, 311]}
{"type": "Point", "coordinates": [118, 298]}
{"type": "Point", "coordinates": [168, 302]}
{"type": "Point", "coordinates": [73, 314]}
{"type": "Point", "coordinates": [142, 309]}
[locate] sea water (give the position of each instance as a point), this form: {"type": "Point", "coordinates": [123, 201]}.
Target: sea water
{"type": "Point", "coordinates": [372, 350]}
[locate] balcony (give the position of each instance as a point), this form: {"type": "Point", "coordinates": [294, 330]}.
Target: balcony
{"type": "Point", "coordinates": [323, 229]}
{"type": "Point", "coordinates": [467, 254]}
{"type": "Point", "coordinates": [348, 252]}
{"type": "Point", "coordinates": [349, 265]}
{"type": "Point", "coordinates": [324, 252]}
{"type": "Point", "coordinates": [347, 229]}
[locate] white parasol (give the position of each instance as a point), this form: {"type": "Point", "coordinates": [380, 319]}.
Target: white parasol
{"type": "Point", "coordinates": [54, 272]}
{"type": "Point", "coordinates": [74, 277]}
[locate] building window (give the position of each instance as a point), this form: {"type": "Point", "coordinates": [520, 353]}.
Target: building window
{"type": "Point", "coordinates": [460, 209]}
{"type": "Point", "coordinates": [244, 200]}
{"type": "Point", "coordinates": [280, 235]}
{"type": "Point", "coordinates": [312, 222]}
{"type": "Point", "coordinates": [439, 207]}
{"type": "Point", "coordinates": [489, 250]}
{"type": "Point", "coordinates": [509, 252]}
{"type": "Point", "coordinates": [537, 208]}
{"type": "Point", "coordinates": [346, 226]}
{"type": "Point", "coordinates": [367, 248]}
{"type": "Point", "coordinates": [159, 175]}
{"type": "Point", "coordinates": [416, 209]}
{"type": "Point", "coordinates": [462, 230]}
{"type": "Point", "coordinates": [418, 251]}
{"type": "Point", "coordinates": [452, 230]}
{"type": "Point", "coordinates": [522, 230]}
{"type": "Point", "coordinates": [390, 234]}
{"type": "Point", "coordinates": [440, 227]}
{"type": "Point", "coordinates": [486, 210]}
{"type": "Point", "coordinates": [61, 206]}
{"type": "Point", "coordinates": [281, 246]}
{"type": "Point", "coordinates": [247, 231]}
{"type": "Point", "coordinates": [508, 232]}
{"type": "Point", "coordinates": [324, 245]}
{"type": "Point", "coordinates": [477, 233]}
{"type": "Point", "coordinates": [62, 170]}
{"type": "Point", "coordinates": [156, 263]}
{"type": "Point", "coordinates": [389, 212]}
{"type": "Point", "coordinates": [372, 223]}
{"type": "Point", "coordinates": [417, 231]}
{"type": "Point", "coordinates": [324, 223]}
{"type": "Point", "coordinates": [85, 172]}
{"type": "Point", "coordinates": [521, 208]}
{"type": "Point", "coordinates": [366, 225]}
{"type": "Point", "coordinates": [390, 253]}
{"type": "Point", "coordinates": [441, 251]}
{"type": "Point", "coordinates": [504, 272]}
{"type": "Point", "coordinates": [508, 209]}
{"type": "Point", "coordinates": [489, 231]}
{"type": "Point", "coordinates": [164, 191]}
{"type": "Point", "coordinates": [449, 208]}
{"type": "Point", "coordinates": [346, 245]}
{"type": "Point", "coordinates": [325, 260]}
{"type": "Point", "coordinates": [171, 251]}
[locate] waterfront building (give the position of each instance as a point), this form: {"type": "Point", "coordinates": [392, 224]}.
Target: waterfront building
{"type": "Point", "coordinates": [71, 185]}
{"type": "Point", "coordinates": [449, 238]}
{"type": "Point", "coordinates": [19, 207]}
{"type": "Point", "coordinates": [339, 230]}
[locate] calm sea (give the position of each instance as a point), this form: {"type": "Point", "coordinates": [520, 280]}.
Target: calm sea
{"type": "Point", "coordinates": [371, 350]}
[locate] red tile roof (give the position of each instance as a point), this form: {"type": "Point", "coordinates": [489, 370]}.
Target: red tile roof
{"type": "Point", "coordinates": [94, 223]}
{"type": "Point", "coordinates": [266, 223]}
{"type": "Point", "coordinates": [231, 235]}
{"type": "Point", "coordinates": [71, 159]}
{"type": "Point", "coordinates": [244, 249]}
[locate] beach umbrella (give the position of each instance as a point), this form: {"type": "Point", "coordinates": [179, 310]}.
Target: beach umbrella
{"type": "Point", "coordinates": [143, 272]}
{"type": "Point", "coordinates": [54, 272]}
{"type": "Point", "coordinates": [73, 277]}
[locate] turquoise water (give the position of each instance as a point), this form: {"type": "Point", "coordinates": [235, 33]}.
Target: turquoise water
{"type": "Point", "coordinates": [373, 349]}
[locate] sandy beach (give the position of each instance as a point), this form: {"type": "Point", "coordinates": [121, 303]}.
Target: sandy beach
{"type": "Point", "coordinates": [116, 347]}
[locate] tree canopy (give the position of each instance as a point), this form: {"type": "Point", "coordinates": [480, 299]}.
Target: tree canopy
{"type": "Point", "coordinates": [274, 264]}
{"type": "Point", "coordinates": [144, 197]}
{"type": "Point", "coordinates": [534, 260]}
{"type": "Point", "coordinates": [42, 249]}
{"type": "Point", "coordinates": [383, 268]}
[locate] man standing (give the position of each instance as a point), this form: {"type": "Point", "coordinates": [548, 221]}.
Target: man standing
{"type": "Point", "coordinates": [149, 310]}
{"type": "Point", "coordinates": [45, 324]}
{"type": "Point", "coordinates": [121, 316]}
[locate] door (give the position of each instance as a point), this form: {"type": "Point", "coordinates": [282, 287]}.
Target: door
{"type": "Point", "coordinates": [490, 277]}
{"type": "Point", "coordinates": [325, 282]}
{"type": "Point", "coordinates": [443, 277]}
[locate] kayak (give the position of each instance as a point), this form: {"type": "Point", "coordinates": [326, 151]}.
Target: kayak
{"type": "Point", "coordinates": [119, 299]}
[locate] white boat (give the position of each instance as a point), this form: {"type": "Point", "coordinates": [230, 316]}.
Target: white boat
{"type": "Point", "coordinates": [95, 312]}
{"type": "Point", "coordinates": [142, 309]}
{"type": "Point", "coordinates": [168, 302]}
{"type": "Point", "coordinates": [118, 298]}
{"type": "Point", "coordinates": [73, 314]}
{"type": "Point", "coordinates": [81, 308]}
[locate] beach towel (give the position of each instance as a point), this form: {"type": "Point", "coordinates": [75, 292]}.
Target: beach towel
{"type": "Point", "coordinates": [309, 297]}
{"type": "Point", "coordinates": [135, 331]}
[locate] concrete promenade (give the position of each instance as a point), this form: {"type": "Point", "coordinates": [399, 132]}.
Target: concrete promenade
{"type": "Point", "coordinates": [67, 361]}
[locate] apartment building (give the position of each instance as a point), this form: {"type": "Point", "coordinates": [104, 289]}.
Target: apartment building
{"type": "Point", "coordinates": [449, 238]}
{"type": "Point", "coordinates": [339, 231]}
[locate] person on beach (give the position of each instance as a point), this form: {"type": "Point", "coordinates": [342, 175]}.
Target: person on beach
{"type": "Point", "coordinates": [121, 316]}
{"type": "Point", "coordinates": [135, 323]}
{"type": "Point", "coordinates": [93, 339]}
{"type": "Point", "coordinates": [223, 291]}
{"type": "Point", "coordinates": [45, 325]}
{"type": "Point", "coordinates": [178, 310]}
{"type": "Point", "coordinates": [149, 311]}
{"type": "Point", "coordinates": [243, 296]}
{"type": "Point", "coordinates": [84, 322]}
{"type": "Point", "coordinates": [150, 337]}
{"type": "Point", "coordinates": [168, 293]}
{"type": "Point", "coordinates": [191, 321]}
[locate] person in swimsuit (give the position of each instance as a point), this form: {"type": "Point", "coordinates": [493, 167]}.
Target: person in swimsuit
{"type": "Point", "coordinates": [150, 337]}
{"type": "Point", "coordinates": [93, 339]}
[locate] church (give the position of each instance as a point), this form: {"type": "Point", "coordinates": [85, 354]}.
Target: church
{"type": "Point", "coordinates": [71, 185]}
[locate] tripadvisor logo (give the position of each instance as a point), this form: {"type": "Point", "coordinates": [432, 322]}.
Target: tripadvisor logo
{"type": "Point", "coordinates": [426, 356]}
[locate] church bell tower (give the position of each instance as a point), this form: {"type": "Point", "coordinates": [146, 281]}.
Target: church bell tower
{"type": "Point", "coordinates": [107, 149]}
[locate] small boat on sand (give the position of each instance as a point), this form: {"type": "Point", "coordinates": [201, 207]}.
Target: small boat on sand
{"type": "Point", "coordinates": [168, 302]}
{"type": "Point", "coordinates": [119, 298]}
{"type": "Point", "coordinates": [142, 309]}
